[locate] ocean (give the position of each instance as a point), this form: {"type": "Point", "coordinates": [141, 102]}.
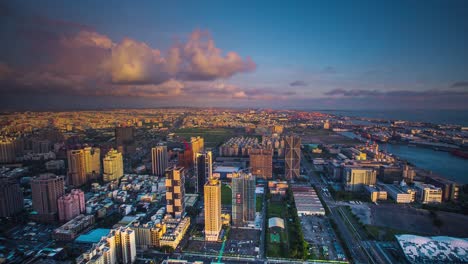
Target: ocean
{"type": "Point", "coordinates": [455, 117]}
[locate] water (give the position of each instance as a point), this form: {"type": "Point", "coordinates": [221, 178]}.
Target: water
{"type": "Point", "coordinates": [456, 117]}
{"type": "Point", "coordinates": [440, 162]}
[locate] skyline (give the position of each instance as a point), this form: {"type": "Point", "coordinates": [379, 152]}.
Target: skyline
{"type": "Point", "coordinates": [321, 55]}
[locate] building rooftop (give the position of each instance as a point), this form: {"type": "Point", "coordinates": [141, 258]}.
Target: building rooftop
{"type": "Point", "coordinates": [439, 249]}
{"type": "Point", "coordinates": [93, 236]}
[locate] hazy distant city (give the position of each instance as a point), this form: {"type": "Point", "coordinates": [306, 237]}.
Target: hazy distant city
{"type": "Point", "coordinates": [201, 132]}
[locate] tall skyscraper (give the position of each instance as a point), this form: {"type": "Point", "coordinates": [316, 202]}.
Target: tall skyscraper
{"type": "Point", "coordinates": [125, 139]}
{"type": "Point", "coordinates": [292, 157]}
{"type": "Point", "coordinates": [198, 145]}
{"type": "Point", "coordinates": [159, 160]}
{"type": "Point", "coordinates": [71, 205]}
{"type": "Point", "coordinates": [243, 199]}
{"type": "Point", "coordinates": [76, 167]}
{"type": "Point", "coordinates": [203, 169]}
{"type": "Point", "coordinates": [113, 166]}
{"type": "Point", "coordinates": [212, 202]}
{"type": "Point", "coordinates": [11, 197]}
{"type": "Point", "coordinates": [46, 189]}
{"type": "Point", "coordinates": [261, 163]}
{"type": "Point", "coordinates": [175, 191]}
{"type": "Point", "coordinates": [8, 150]}
{"type": "Point", "coordinates": [92, 162]}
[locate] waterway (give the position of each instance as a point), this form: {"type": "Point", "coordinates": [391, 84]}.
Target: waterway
{"type": "Point", "coordinates": [440, 162]}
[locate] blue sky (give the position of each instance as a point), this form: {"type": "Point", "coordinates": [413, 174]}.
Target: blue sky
{"type": "Point", "coordinates": [342, 53]}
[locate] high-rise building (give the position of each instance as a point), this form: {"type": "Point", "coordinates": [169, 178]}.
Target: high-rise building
{"type": "Point", "coordinates": [203, 169]}
{"type": "Point", "coordinates": [243, 199]}
{"type": "Point", "coordinates": [125, 139]}
{"type": "Point", "coordinates": [40, 146]}
{"type": "Point", "coordinates": [326, 124]}
{"type": "Point", "coordinates": [159, 160]}
{"type": "Point", "coordinates": [76, 167]}
{"type": "Point", "coordinates": [292, 157]}
{"type": "Point", "coordinates": [8, 150]}
{"type": "Point", "coordinates": [125, 244]}
{"type": "Point", "coordinates": [113, 166]}
{"type": "Point", "coordinates": [175, 191]}
{"type": "Point", "coordinates": [71, 205]}
{"type": "Point", "coordinates": [212, 202]}
{"type": "Point", "coordinates": [355, 178]}
{"type": "Point", "coordinates": [261, 163]}
{"type": "Point", "coordinates": [198, 145]}
{"type": "Point", "coordinates": [11, 197]}
{"type": "Point", "coordinates": [92, 162]}
{"type": "Point", "coordinates": [46, 189]}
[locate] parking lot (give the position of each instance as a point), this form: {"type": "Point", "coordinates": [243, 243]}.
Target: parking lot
{"type": "Point", "coordinates": [321, 237]}
{"type": "Point", "coordinates": [241, 242]}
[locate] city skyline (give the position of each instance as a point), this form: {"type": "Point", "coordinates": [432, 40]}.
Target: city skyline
{"type": "Point", "coordinates": [328, 55]}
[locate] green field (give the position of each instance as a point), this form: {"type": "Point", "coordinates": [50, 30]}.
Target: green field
{"type": "Point", "coordinates": [226, 194]}
{"type": "Point", "coordinates": [212, 136]}
{"type": "Point", "coordinates": [258, 203]}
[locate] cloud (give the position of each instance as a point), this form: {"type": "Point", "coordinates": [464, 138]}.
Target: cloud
{"type": "Point", "coordinates": [394, 93]}
{"type": "Point", "coordinates": [298, 83]}
{"type": "Point", "coordinates": [461, 84]}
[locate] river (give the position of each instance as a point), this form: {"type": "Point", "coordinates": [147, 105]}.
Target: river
{"type": "Point", "coordinates": [440, 162]}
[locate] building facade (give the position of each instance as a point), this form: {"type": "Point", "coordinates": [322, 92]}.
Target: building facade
{"type": "Point", "coordinates": [203, 169]}
{"type": "Point", "coordinates": [159, 160]}
{"type": "Point", "coordinates": [92, 162]}
{"type": "Point", "coordinates": [175, 192]}
{"type": "Point", "coordinates": [212, 195]}
{"type": "Point", "coordinates": [76, 167]}
{"type": "Point", "coordinates": [71, 205]}
{"type": "Point", "coordinates": [261, 163]}
{"type": "Point", "coordinates": [113, 166]}
{"type": "Point", "coordinates": [292, 157]}
{"type": "Point", "coordinates": [46, 189]}
{"type": "Point", "coordinates": [355, 178]}
{"type": "Point", "coordinates": [11, 197]}
{"type": "Point", "coordinates": [243, 199]}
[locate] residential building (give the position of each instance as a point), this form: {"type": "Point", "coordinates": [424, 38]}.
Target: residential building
{"type": "Point", "coordinates": [70, 205]}
{"type": "Point", "coordinates": [261, 163]}
{"type": "Point", "coordinates": [159, 160]}
{"type": "Point", "coordinates": [175, 231]}
{"type": "Point", "coordinates": [175, 192]}
{"type": "Point", "coordinates": [46, 189]}
{"type": "Point", "coordinates": [427, 193]}
{"type": "Point", "coordinates": [70, 230]}
{"type": "Point", "coordinates": [113, 166]}
{"type": "Point", "coordinates": [92, 162]}
{"type": "Point", "coordinates": [11, 197]}
{"type": "Point", "coordinates": [197, 145]}
{"type": "Point", "coordinates": [292, 157]}
{"type": "Point", "coordinates": [8, 150]}
{"type": "Point", "coordinates": [243, 199]}
{"type": "Point", "coordinates": [212, 202]}
{"type": "Point", "coordinates": [76, 167]}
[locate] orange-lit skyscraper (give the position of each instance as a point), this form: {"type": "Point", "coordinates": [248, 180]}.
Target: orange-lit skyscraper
{"type": "Point", "coordinates": [261, 163]}
{"type": "Point", "coordinates": [212, 200]}
{"type": "Point", "coordinates": [175, 191]}
{"type": "Point", "coordinates": [292, 157]}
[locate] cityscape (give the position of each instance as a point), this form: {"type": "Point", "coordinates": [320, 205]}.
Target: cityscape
{"type": "Point", "coordinates": [124, 139]}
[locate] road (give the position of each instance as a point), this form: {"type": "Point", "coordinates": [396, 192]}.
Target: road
{"type": "Point", "coordinates": [351, 238]}
{"type": "Point", "coordinates": [264, 227]}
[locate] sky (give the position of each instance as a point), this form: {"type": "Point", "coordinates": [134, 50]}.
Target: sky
{"type": "Point", "coordinates": [261, 54]}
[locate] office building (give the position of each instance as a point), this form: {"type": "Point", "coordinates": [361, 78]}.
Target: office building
{"type": "Point", "coordinates": [292, 157]}
{"type": "Point", "coordinates": [212, 201]}
{"type": "Point", "coordinates": [390, 174]}
{"type": "Point", "coordinates": [159, 160]}
{"type": "Point", "coordinates": [203, 169]}
{"type": "Point", "coordinates": [46, 189]}
{"type": "Point", "coordinates": [261, 163]}
{"type": "Point", "coordinates": [125, 139]}
{"type": "Point", "coordinates": [450, 189]}
{"type": "Point", "coordinates": [92, 162]}
{"type": "Point", "coordinates": [8, 147]}
{"type": "Point", "coordinates": [11, 197]}
{"type": "Point", "coordinates": [76, 167]}
{"type": "Point", "coordinates": [427, 193]}
{"type": "Point", "coordinates": [355, 178]}
{"type": "Point", "coordinates": [243, 199]}
{"type": "Point", "coordinates": [113, 166]}
{"type": "Point", "coordinates": [71, 205]}
{"type": "Point", "coordinates": [375, 193]}
{"type": "Point", "coordinates": [197, 145]}
{"type": "Point", "coordinates": [175, 192]}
